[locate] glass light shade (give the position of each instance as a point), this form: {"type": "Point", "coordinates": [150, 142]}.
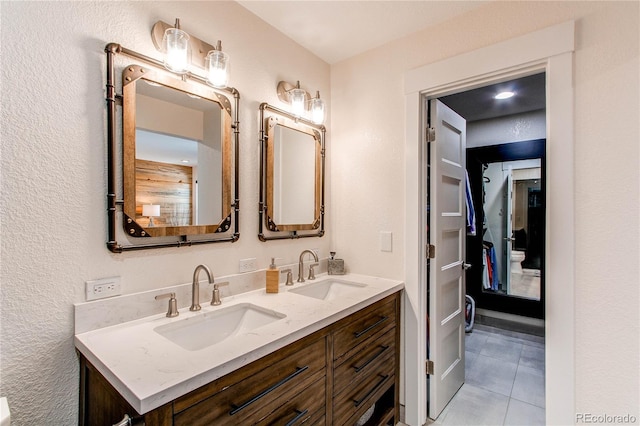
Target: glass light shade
{"type": "Point", "coordinates": [218, 68]}
{"type": "Point", "coordinates": [317, 110]}
{"type": "Point", "coordinates": [176, 50]}
{"type": "Point", "coordinates": [297, 98]}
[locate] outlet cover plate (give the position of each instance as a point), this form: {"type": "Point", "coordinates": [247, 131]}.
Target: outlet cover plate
{"type": "Point", "coordinates": [104, 287]}
{"type": "Point", "coordinates": [248, 265]}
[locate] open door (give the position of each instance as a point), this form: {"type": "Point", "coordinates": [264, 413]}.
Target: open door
{"type": "Point", "coordinates": [447, 235]}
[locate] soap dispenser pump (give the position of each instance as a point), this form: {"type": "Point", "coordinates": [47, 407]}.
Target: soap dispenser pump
{"type": "Point", "coordinates": [273, 277]}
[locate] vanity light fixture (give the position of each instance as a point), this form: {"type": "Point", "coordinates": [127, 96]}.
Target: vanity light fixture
{"type": "Point", "coordinates": [175, 46]}
{"type": "Point", "coordinates": [151, 211]}
{"type": "Point", "coordinates": [182, 50]}
{"type": "Point", "coordinates": [504, 95]}
{"type": "Point", "coordinates": [218, 67]}
{"type": "Point", "coordinates": [317, 109]}
{"type": "Point", "coordinates": [301, 102]}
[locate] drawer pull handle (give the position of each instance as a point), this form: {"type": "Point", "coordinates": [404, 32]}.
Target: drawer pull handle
{"type": "Point", "coordinates": [130, 421]}
{"type": "Point", "coordinates": [372, 326]}
{"type": "Point", "coordinates": [373, 390]}
{"type": "Point", "coordinates": [370, 360]}
{"type": "Point", "coordinates": [300, 415]}
{"type": "Point", "coordinates": [237, 408]}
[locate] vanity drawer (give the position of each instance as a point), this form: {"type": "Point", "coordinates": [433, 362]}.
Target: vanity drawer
{"type": "Point", "coordinates": [355, 400]}
{"type": "Point", "coordinates": [303, 408]}
{"type": "Point", "coordinates": [373, 321]}
{"type": "Point", "coordinates": [363, 362]}
{"type": "Point", "coordinates": [247, 396]}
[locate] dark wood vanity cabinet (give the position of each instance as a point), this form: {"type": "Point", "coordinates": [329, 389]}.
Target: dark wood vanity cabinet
{"type": "Point", "coordinates": [331, 377]}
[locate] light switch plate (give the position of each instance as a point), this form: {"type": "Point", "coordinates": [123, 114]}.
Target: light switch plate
{"type": "Point", "coordinates": [386, 239]}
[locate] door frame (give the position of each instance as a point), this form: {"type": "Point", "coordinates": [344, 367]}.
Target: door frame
{"type": "Point", "coordinates": [549, 50]}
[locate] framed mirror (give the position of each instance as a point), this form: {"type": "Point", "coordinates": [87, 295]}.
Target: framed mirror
{"type": "Point", "coordinates": [177, 155]}
{"type": "Point", "coordinates": [508, 186]}
{"type": "Point", "coordinates": [292, 176]}
{"type": "Point", "coordinates": [179, 143]}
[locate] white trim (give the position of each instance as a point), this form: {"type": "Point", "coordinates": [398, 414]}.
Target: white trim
{"type": "Point", "coordinates": [550, 49]}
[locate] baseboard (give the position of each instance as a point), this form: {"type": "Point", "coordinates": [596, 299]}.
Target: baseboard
{"type": "Point", "coordinates": [510, 322]}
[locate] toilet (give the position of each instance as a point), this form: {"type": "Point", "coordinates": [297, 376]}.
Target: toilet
{"type": "Point", "coordinates": [517, 257]}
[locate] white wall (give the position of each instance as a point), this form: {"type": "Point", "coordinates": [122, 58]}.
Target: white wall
{"type": "Point", "coordinates": [54, 175]}
{"type": "Point", "coordinates": [368, 159]}
{"type": "Point", "coordinates": [507, 129]}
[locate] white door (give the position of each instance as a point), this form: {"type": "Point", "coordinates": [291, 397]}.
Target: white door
{"type": "Point", "coordinates": [446, 275]}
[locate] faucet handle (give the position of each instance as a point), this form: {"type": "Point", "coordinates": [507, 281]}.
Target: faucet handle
{"type": "Point", "coordinates": [289, 276]}
{"type": "Point", "coordinates": [312, 275]}
{"type": "Point", "coordinates": [172, 310]}
{"type": "Point", "coordinates": [215, 297]}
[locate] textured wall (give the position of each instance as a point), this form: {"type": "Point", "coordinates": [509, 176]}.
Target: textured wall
{"type": "Point", "coordinates": [54, 175]}
{"type": "Point", "coordinates": [368, 137]}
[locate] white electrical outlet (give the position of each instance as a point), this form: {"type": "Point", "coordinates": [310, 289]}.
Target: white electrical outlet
{"type": "Point", "coordinates": [104, 287]}
{"type": "Point", "coordinates": [248, 265]}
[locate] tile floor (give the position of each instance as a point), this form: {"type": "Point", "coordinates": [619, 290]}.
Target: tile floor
{"type": "Point", "coordinates": [504, 382]}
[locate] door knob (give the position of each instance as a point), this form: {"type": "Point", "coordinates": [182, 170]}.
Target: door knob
{"type": "Point", "coordinates": [466, 266]}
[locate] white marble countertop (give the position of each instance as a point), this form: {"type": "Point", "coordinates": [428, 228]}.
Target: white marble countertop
{"type": "Point", "coordinates": [149, 370]}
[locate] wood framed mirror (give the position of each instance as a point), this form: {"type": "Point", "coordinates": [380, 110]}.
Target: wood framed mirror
{"type": "Point", "coordinates": [179, 157]}
{"type": "Point", "coordinates": [292, 176]}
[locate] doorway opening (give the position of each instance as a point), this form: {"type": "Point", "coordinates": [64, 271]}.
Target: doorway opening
{"type": "Point", "coordinates": [506, 166]}
{"type": "Point", "coordinates": [504, 255]}
{"type": "Point", "coordinates": [549, 49]}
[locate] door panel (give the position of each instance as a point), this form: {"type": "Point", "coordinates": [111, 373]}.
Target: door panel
{"type": "Point", "coordinates": [446, 276]}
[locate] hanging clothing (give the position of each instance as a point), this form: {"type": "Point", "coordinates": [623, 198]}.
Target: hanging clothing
{"type": "Point", "coordinates": [471, 212]}
{"type": "Point", "coordinates": [489, 267]}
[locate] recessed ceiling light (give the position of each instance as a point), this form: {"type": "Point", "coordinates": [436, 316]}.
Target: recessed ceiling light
{"type": "Point", "coordinates": [185, 161]}
{"type": "Point", "coordinates": [504, 95]}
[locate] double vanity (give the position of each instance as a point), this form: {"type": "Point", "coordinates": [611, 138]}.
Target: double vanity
{"type": "Point", "coordinates": [324, 352]}
{"type": "Point", "coordinates": [321, 352]}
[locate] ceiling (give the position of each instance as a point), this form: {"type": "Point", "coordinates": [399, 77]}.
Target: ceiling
{"type": "Point", "coordinates": [479, 104]}
{"type": "Point", "coordinates": [337, 30]}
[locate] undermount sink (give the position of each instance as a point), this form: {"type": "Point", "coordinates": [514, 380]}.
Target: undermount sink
{"type": "Point", "coordinates": [206, 329]}
{"type": "Point", "coordinates": [328, 290]}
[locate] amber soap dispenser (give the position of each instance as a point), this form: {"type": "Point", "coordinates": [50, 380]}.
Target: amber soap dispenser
{"type": "Point", "coordinates": [273, 276]}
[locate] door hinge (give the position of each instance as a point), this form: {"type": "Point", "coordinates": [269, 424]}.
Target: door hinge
{"type": "Point", "coordinates": [429, 366]}
{"type": "Point", "coordinates": [431, 134]}
{"type": "Point", "coordinates": [431, 251]}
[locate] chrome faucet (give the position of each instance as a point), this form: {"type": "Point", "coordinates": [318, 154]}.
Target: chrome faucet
{"type": "Point", "coordinates": [195, 287]}
{"type": "Point", "coordinates": [301, 264]}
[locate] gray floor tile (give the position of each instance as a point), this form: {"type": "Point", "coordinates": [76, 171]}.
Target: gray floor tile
{"type": "Point", "coordinates": [532, 357]}
{"type": "Point", "coordinates": [476, 406]}
{"type": "Point", "coordinates": [492, 374]}
{"type": "Point", "coordinates": [469, 358]}
{"type": "Point", "coordinates": [529, 386]}
{"type": "Point", "coordinates": [501, 348]}
{"type": "Point", "coordinates": [522, 414]}
{"type": "Point", "coordinates": [474, 341]}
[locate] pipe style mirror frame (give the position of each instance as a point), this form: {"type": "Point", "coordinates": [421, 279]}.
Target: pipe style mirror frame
{"type": "Point", "coordinates": [273, 122]}
{"type": "Point", "coordinates": [227, 229]}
